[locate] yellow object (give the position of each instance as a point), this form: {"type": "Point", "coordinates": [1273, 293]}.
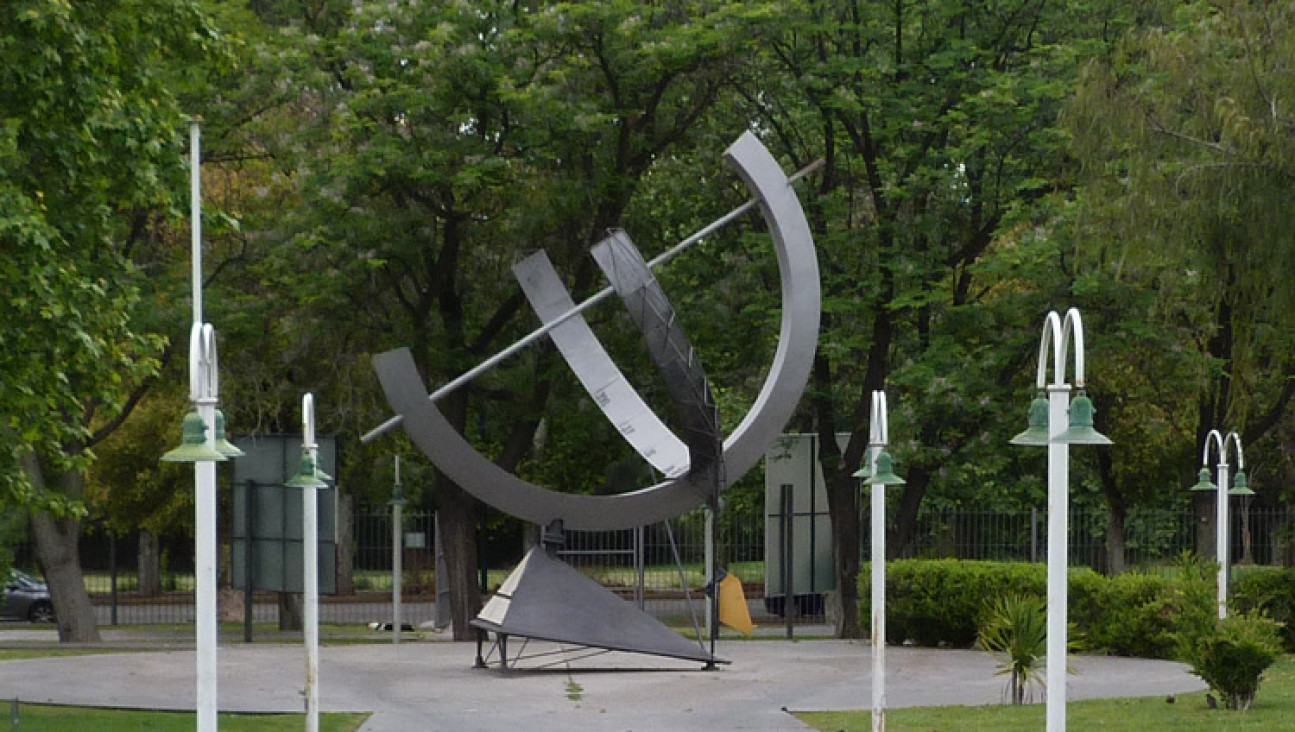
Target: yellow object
{"type": "Point", "coordinates": [732, 605]}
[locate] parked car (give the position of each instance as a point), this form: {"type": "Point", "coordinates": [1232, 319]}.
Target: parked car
{"type": "Point", "coordinates": [26, 598]}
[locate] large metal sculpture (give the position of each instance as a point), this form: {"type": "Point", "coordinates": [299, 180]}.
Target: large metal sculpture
{"type": "Point", "coordinates": [695, 467]}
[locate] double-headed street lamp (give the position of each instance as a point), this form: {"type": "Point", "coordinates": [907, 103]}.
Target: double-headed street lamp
{"type": "Point", "coordinates": [204, 445]}
{"type": "Point", "coordinates": [1240, 487]}
{"type": "Point", "coordinates": [1049, 426]}
{"type": "Point", "coordinates": [879, 474]}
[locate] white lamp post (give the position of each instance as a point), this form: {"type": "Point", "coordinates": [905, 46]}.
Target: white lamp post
{"type": "Point", "coordinates": [308, 478]}
{"type": "Point", "coordinates": [1048, 426]}
{"type": "Point", "coordinates": [879, 474]}
{"type": "Point", "coordinates": [204, 445]}
{"type": "Point", "coordinates": [1223, 524]}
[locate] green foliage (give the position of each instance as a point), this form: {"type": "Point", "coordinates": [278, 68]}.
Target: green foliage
{"type": "Point", "coordinates": [88, 133]}
{"type": "Point", "coordinates": [943, 602]}
{"type": "Point", "coordinates": [1134, 616]}
{"type": "Point", "coordinates": [1232, 657]}
{"type": "Point", "coordinates": [1194, 602]}
{"type": "Point", "coordinates": [1270, 591]}
{"type": "Point", "coordinates": [1015, 632]}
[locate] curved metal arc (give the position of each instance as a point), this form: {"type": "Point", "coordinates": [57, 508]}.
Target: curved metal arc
{"type": "Point", "coordinates": [1241, 457]}
{"type": "Point", "coordinates": [458, 460]}
{"type": "Point", "coordinates": [308, 421]}
{"type": "Point", "coordinates": [1074, 328]}
{"type": "Point", "coordinates": [204, 368]}
{"type": "Point", "coordinates": [798, 335]}
{"type": "Point", "coordinates": [1220, 442]}
{"type": "Point", "coordinates": [1058, 334]}
{"type": "Point", "coordinates": [593, 300]}
{"type": "Point", "coordinates": [1051, 335]}
{"type": "Point", "coordinates": [597, 372]}
{"type": "Point", "coordinates": [744, 447]}
{"type": "Point", "coordinates": [879, 429]}
{"type": "Point", "coordinates": [668, 346]}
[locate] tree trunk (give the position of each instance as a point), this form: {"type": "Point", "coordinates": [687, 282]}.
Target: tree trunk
{"type": "Point", "coordinates": [58, 551]}
{"type": "Point", "coordinates": [843, 507]}
{"type": "Point", "coordinates": [1247, 545]}
{"type": "Point", "coordinates": [903, 531]}
{"type": "Point", "coordinates": [345, 544]}
{"type": "Point", "coordinates": [1115, 563]}
{"type": "Point", "coordinates": [1203, 509]}
{"type": "Point", "coordinates": [1117, 507]}
{"type": "Point", "coordinates": [458, 524]}
{"type": "Point", "coordinates": [291, 610]}
{"type": "Point", "coordinates": [148, 561]}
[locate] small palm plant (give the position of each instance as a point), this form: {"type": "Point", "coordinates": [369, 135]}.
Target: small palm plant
{"type": "Point", "coordinates": [1015, 632]}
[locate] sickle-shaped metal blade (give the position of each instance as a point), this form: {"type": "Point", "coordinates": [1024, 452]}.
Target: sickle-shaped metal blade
{"type": "Point", "coordinates": [601, 378]}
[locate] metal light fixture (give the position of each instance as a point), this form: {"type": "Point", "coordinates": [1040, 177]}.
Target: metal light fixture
{"type": "Point", "coordinates": [1203, 482]}
{"type": "Point", "coordinates": [885, 474]}
{"type": "Point", "coordinates": [193, 445]}
{"type": "Point", "coordinates": [1081, 430]}
{"type": "Point", "coordinates": [1046, 416]}
{"type": "Point", "coordinates": [1037, 433]}
{"type": "Point", "coordinates": [307, 476]}
{"type": "Point", "coordinates": [223, 445]}
{"type": "Point", "coordinates": [1240, 486]}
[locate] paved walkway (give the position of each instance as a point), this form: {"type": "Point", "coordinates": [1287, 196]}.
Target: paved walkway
{"type": "Point", "coordinates": [431, 685]}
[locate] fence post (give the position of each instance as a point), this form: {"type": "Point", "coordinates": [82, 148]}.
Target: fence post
{"type": "Point", "coordinates": [788, 587]}
{"type": "Point", "coordinates": [443, 614]}
{"type": "Point", "coordinates": [112, 559]}
{"type": "Point", "coordinates": [640, 595]}
{"type": "Point", "coordinates": [249, 559]}
{"type": "Point", "coordinates": [1034, 535]}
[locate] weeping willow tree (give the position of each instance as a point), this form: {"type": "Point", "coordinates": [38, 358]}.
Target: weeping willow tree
{"type": "Point", "coordinates": [1185, 137]}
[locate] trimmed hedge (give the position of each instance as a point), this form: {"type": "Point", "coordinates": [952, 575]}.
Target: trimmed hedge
{"type": "Point", "coordinates": [942, 602]}
{"type": "Point", "coordinates": [1269, 590]}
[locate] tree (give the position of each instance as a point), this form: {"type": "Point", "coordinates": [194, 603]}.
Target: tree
{"type": "Point", "coordinates": [937, 122]}
{"type": "Point", "coordinates": [87, 150]}
{"type": "Point", "coordinates": [1187, 162]}
{"type": "Point", "coordinates": [449, 138]}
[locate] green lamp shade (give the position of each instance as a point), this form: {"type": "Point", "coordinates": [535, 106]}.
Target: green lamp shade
{"type": "Point", "coordinates": [1203, 482]}
{"type": "Point", "coordinates": [885, 474]}
{"type": "Point", "coordinates": [1037, 433]}
{"type": "Point", "coordinates": [223, 445]}
{"type": "Point", "coordinates": [307, 476]}
{"type": "Point", "coordinates": [193, 443]}
{"type": "Point", "coordinates": [1240, 486]}
{"type": "Point", "coordinates": [1081, 430]}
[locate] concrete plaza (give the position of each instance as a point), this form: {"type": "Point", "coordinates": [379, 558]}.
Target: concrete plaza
{"type": "Point", "coordinates": [431, 685]}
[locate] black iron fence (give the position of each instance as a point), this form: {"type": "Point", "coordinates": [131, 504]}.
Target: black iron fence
{"type": "Point", "coordinates": [665, 562]}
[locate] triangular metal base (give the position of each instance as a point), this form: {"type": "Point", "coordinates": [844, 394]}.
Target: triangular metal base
{"type": "Point", "coordinates": [546, 599]}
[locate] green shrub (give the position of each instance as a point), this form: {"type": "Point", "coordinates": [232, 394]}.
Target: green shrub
{"type": "Point", "coordinates": [1271, 591]}
{"type": "Point", "coordinates": [943, 601]}
{"type": "Point", "coordinates": [1232, 657]}
{"type": "Point", "coordinates": [1135, 617]}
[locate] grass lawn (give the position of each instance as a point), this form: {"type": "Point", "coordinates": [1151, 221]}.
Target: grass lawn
{"type": "Point", "coordinates": [47, 718]}
{"type": "Point", "coordinates": [1274, 710]}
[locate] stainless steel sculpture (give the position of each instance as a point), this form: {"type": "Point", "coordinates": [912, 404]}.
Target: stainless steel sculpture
{"type": "Point", "coordinates": [683, 489]}
{"type": "Point", "coordinates": [543, 598]}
